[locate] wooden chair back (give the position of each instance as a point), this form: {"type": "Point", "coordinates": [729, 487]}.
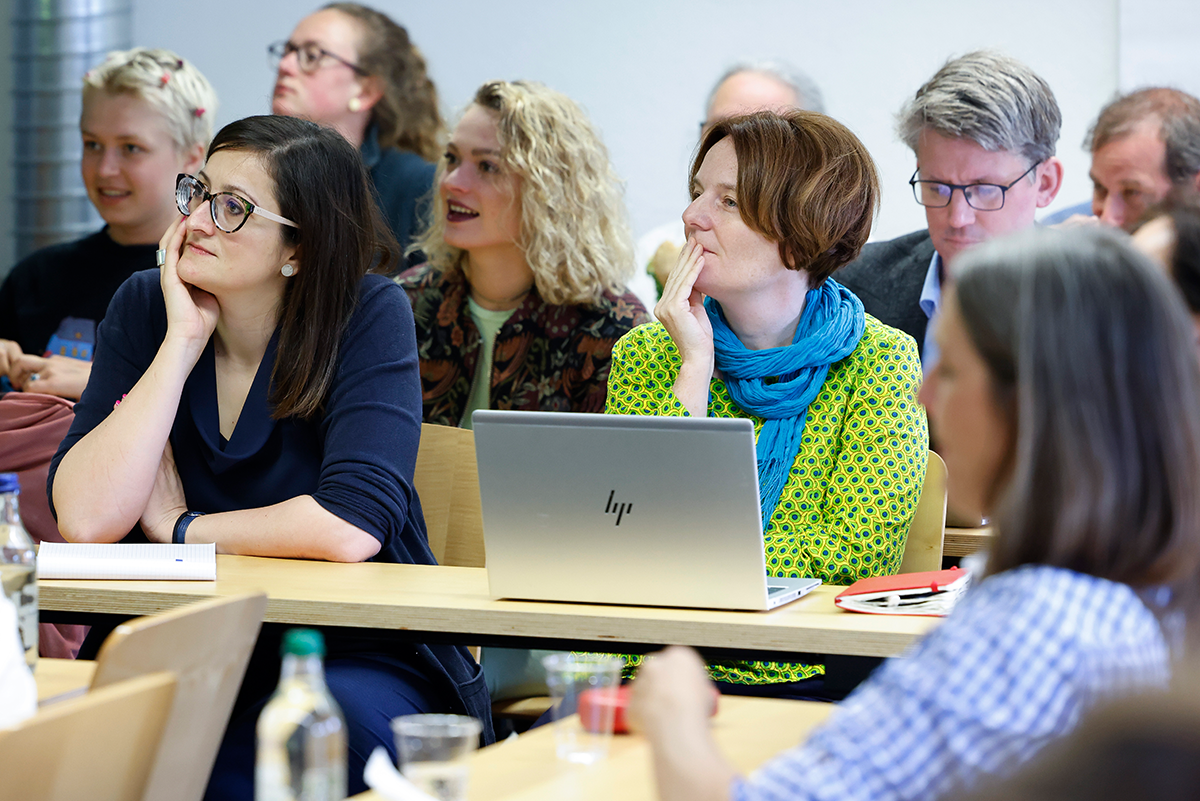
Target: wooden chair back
{"type": "Point", "coordinates": [923, 548]}
{"type": "Point", "coordinates": [447, 482]}
{"type": "Point", "coordinates": [207, 646]}
{"type": "Point", "coordinates": [98, 746]}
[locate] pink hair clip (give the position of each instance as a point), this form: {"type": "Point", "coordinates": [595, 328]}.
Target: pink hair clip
{"type": "Point", "coordinates": [199, 112]}
{"type": "Point", "coordinates": [163, 80]}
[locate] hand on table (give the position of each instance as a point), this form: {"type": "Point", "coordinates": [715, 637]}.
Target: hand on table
{"type": "Point", "coordinates": [672, 692]}
{"type": "Point", "coordinates": [52, 375]}
{"type": "Point", "coordinates": [167, 501]}
{"type": "Point", "coordinates": [10, 355]}
{"type": "Point", "coordinates": [670, 704]}
{"type": "Point", "coordinates": [681, 311]}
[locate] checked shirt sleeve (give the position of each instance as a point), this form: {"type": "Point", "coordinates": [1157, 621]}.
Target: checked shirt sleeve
{"type": "Point", "coordinates": [1027, 653]}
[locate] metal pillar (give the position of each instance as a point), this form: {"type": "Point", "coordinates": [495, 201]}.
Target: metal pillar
{"type": "Point", "coordinates": [54, 43]}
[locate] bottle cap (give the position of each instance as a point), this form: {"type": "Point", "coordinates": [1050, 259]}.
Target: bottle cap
{"type": "Point", "coordinates": [9, 483]}
{"type": "Point", "coordinates": [303, 642]}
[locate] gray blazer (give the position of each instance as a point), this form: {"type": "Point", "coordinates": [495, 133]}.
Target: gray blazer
{"type": "Point", "coordinates": [888, 278]}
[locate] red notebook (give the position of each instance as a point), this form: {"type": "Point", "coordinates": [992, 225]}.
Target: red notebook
{"type": "Point", "coordinates": [932, 593]}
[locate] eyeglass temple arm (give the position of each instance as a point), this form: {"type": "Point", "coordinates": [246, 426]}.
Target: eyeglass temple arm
{"type": "Point", "coordinates": [275, 217]}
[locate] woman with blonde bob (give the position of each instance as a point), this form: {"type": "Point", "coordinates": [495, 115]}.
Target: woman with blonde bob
{"type": "Point", "coordinates": [523, 293]}
{"type": "Point", "coordinates": [1067, 403]}
{"type": "Point", "coordinates": [147, 116]}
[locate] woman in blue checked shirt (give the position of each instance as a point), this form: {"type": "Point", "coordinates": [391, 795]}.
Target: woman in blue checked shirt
{"type": "Point", "coordinates": [1067, 403]}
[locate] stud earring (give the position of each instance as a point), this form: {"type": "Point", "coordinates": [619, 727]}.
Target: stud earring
{"type": "Point", "coordinates": [355, 105]}
{"type": "Point", "coordinates": [288, 271]}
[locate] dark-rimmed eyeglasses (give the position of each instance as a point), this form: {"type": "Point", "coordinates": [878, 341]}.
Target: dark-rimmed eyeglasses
{"type": "Point", "coordinates": [981, 197]}
{"type": "Point", "coordinates": [308, 56]}
{"type": "Point", "coordinates": [229, 211]}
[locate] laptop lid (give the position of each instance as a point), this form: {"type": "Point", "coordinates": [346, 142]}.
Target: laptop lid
{"type": "Point", "coordinates": [659, 511]}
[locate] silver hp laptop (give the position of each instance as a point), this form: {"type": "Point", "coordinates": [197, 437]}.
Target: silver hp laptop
{"type": "Point", "coordinates": [654, 511]}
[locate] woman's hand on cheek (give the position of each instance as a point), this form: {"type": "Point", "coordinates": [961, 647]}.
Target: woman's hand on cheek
{"type": "Point", "coordinates": [681, 311]}
{"type": "Point", "coordinates": [166, 502]}
{"type": "Point", "coordinates": [681, 307]}
{"type": "Point", "coordinates": [191, 313]}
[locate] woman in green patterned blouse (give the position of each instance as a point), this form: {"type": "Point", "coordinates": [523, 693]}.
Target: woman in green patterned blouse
{"type": "Point", "coordinates": [751, 325]}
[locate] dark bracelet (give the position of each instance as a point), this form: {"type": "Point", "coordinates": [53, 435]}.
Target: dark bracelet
{"type": "Point", "coordinates": [181, 526]}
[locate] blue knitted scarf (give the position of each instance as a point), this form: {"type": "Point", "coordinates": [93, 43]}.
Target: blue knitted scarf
{"type": "Point", "coordinates": [829, 329]}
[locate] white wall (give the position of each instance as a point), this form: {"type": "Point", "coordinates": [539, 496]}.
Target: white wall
{"type": "Point", "coordinates": [1158, 44]}
{"type": "Point", "coordinates": [643, 69]}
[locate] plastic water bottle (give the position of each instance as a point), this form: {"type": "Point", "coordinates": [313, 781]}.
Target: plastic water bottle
{"type": "Point", "coordinates": [18, 566]}
{"type": "Point", "coordinates": [301, 731]}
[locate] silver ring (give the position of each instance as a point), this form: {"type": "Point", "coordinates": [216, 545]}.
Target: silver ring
{"type": "Point", "coordinates": [35, 376]}
{"type": "Point", "coordinates": [160, 257]}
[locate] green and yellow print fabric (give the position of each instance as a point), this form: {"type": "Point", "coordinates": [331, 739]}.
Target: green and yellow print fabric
{"type": "Point", "coordinates": [846, 507]}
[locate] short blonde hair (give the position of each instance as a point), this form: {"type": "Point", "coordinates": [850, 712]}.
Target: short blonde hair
{"type": "Point", "coordinates": [168, 83]}
{"type": "Point", "coordinates": [574, 230]}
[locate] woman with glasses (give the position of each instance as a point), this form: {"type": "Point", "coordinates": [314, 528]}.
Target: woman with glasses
{"type": "Point", "coordinates": [260, 391]}
{"type": "Point", "coordinates": [354, 69]}
{"type": "Point", "coordinates": [752, 325]}
{"type": "Point", "coordinates": [147, 116]}
{"type": "Point", "coordinates": [1066, 400]}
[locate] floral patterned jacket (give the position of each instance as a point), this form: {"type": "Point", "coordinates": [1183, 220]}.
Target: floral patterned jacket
{"type": "Point", "coordinates": [547, 358]}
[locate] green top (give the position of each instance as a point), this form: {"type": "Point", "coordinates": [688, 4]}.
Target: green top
{"type": "Point", "coordinates": [489, 323]}
{"type": "Point", "coordinates": [846, 507]}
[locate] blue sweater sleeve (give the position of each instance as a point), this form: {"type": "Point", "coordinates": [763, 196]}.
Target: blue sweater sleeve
{"type": "Point", "coordinates": [372, 424]}
{"type": "Point", "coordinates": [127, 340]}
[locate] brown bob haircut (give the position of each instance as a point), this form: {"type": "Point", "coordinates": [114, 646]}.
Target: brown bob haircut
{"type": "Point", "coordinates": [804, 181]}
{"type": "Point", "coordinates": [1090, 352]}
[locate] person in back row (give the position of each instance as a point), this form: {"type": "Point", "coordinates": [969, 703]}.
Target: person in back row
{"type": "Point", "coordinates": [752, 325]}
{"type": "Point", "coordinates": [983, 129]}
{"type": "Point", "coordinates": [1144, 145]}
{"type": "Point", "coordinates": [1170, 234]}
{"type": "Point", "coordinates": [523, 295]}
{"type": "Point", "coordinates": [147, 116]}
{"type": "Point", "coordinates": [354, 69]}
{"type": "Point", "coordinates": [745, 87]}
{"type": "Point", "coordinates": [1067, 399]}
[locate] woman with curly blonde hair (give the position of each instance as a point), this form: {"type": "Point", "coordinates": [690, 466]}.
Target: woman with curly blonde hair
{"type": "Point", "coordinates": [355, 69]}
{"type": "Point", "coordinates": [523, 295]}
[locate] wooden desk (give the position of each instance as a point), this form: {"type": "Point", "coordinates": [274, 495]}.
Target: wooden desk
{"type": "Point", "coordinates": [60, 679]}
{"type": "Point", "coordinates": [749, 731]}
{"type": "Point", "coordinates": [452, 604]}
{"type": "Point", "coordinates": [966, 541]}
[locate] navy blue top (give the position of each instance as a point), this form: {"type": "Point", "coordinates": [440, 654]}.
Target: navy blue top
{"type": "Point", "coordinates": [356, 460]}
{"type": "Point", "coordinates": [403, 184]}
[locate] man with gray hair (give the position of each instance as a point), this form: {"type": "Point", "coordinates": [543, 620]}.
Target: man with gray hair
{"type": "Point", "coordinates": [983, 129]}
{"type": "Point", "coordinates": [1144, 145]}
{"type": "Point", "coordinates": [756, 85]}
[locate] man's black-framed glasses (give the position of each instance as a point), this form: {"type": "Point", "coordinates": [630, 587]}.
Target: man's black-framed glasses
{"type": "Point", "coordinates": [308, 56]}
{"type": "Point", "coordinates": [981, 197]}
{"type": "Point", "coordinates": [229, 211]}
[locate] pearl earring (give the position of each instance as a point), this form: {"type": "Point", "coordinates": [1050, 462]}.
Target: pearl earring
{"type": "Point", "coordinates": [288, 271]}
{"type": "Point", "coordinates": [355, 105]}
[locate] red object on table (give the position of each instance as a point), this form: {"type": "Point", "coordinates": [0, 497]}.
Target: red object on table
{"type": "Point", "coordinates": [592, 703]}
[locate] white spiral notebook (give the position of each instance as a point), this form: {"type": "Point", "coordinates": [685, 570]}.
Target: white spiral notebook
{"type": "Point", "coordinates": [139, 562]}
